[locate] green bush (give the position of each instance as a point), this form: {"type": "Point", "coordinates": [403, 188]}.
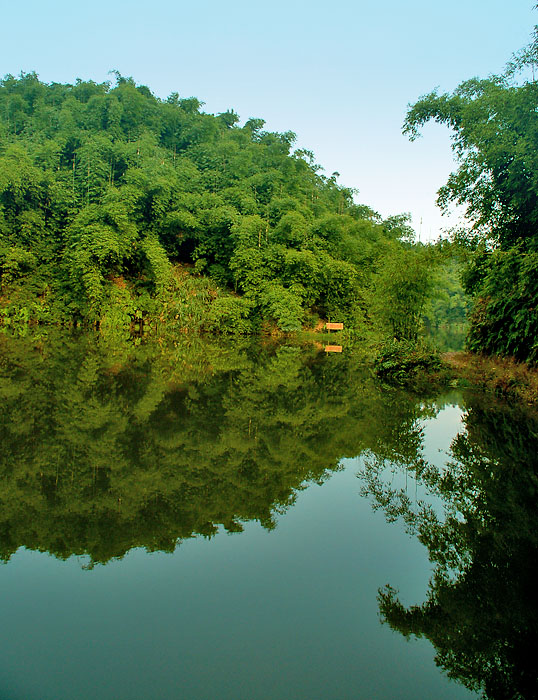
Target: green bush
{"type": "Point", "coordinates": [403, 360]}
{"type": "Point", "coordinates": [229, 314]}
{"type": "Point", "coordinates": [283, 306]}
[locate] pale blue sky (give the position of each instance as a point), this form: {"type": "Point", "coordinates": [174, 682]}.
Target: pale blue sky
{"type": "Point", "coordinates": [339, 74]}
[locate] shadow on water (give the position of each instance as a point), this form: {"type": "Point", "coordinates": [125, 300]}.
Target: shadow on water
{"type": "Point", "coordinates": [110, 447]}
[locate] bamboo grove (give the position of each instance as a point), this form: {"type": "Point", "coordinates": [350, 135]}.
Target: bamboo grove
{"type": "Point", "coordinates": [117, 206]}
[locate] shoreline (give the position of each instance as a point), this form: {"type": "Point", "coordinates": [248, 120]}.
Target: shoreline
{"type": "Point", "coordinates": [503, 376]}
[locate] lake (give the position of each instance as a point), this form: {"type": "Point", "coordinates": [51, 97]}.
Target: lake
{"type": "Point", "coordinates": [207, 519]}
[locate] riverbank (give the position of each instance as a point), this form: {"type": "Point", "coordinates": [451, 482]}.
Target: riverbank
{"type": "Point", "coordinates": [410, 364]}
{"type": "Point", "coordinates": [501, 375]}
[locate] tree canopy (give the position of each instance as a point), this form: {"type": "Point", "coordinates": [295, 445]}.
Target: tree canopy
{"type": "Point", "coordinates": [494, 123]}
{"type": "Point", "coordinates": [111, 199]}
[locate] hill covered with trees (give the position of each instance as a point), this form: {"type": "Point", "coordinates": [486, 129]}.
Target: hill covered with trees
{"type": "Point", "coordinates": [117, 206]}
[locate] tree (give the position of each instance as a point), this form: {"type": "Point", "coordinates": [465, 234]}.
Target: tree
{"type": "Point", "coordinates": [495, 131]}
{"type": "Point", "coordinates": [404, 285]}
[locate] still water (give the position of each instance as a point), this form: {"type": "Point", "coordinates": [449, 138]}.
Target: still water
{"type": "Point", "coordinates": [202, 520]}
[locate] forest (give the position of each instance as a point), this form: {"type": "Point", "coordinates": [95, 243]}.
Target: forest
{"type": "Point", "coordinates": [142, 240]}
{"type": "Point", "coordinates": [116, 205]}
{"type": "Point", "coordinates": [119, 209]}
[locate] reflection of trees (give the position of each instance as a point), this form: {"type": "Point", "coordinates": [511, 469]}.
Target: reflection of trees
{"type": "Point", "coordinates": [481, 612]}
{"type": "Point", "coordinates": [107, 448]}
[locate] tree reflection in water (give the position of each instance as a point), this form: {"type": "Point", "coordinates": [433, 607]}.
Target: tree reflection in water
{"type": "Point", "coordinates": [109, 447]}
{"type": "Point", "coordinates": [481, 609]}
{"type": "Point", "coordinates": [106, 447]}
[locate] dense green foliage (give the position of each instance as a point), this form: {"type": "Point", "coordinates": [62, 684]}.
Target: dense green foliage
{"type": "Point", "coordinates": [495, 132]}
{"type": "Point", "coordinates": [405, 284]}
{"type": "Point", "coordinates": [448, 304]}
{"type": "Point", "coordinates": [112, 201]}
{"type": "Point", "coordinates": [408, 362]}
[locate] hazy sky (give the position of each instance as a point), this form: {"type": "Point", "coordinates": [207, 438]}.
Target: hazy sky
{"type": "Point", "coordinates": [340, 74]}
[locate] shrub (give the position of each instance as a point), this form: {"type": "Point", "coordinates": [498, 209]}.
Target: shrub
{"type": "Point", "coordinates": [403, 360]}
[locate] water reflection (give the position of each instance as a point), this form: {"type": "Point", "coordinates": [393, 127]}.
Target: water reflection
{"type": "Point", "coordinates": [110, 447]}
{"type": "Point", "coordinates": [106, 448]}
{"type": "Point", "coordinates": [481, 612]}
